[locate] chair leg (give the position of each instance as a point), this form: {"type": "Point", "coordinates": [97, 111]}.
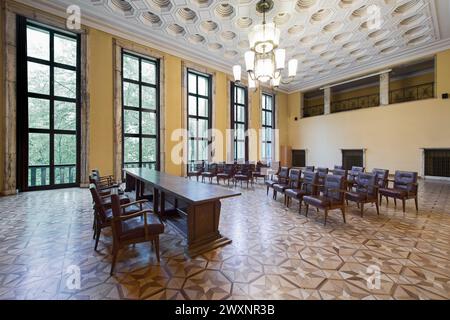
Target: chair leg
{"type": "Point", "coordinates": [416, 200]}
{"type": "Point", "coordinates": [267, 190]}
{"type": "Point", "coordinates": [97, 237]}
{"type": "Point", "coordinates": [307, 209]}
{"type": "Point", "coordinates": [300, 206]}
{"type": "Point", "coordinates": [286, 201]}
{"type": "Point", "coordinates": [326, 216]}
{"type": "Point", "coordinates": [362, 209]}
{"type": "Point", "coordinates": [403, 204]}
{"type": "Point", "coordinates": [378, 207]}
{"type": "Point", "coordinates": [114, 258]}
{"type": "Point", "coordinates": [395, 202]}
{"type": "Point", "coordinates": [274, 195]}
{"type": "Point", "coordinates": [343, 213]}
{"type": "Point", "coordinates": [157, 247]}
{"type": "Point", "coordinates": [381, 198]}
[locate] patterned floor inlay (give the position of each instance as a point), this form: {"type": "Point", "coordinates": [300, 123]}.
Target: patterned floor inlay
{"type": "Point", "coordinates": [276, 253]}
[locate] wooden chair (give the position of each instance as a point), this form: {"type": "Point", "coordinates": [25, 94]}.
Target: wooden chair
{"type": "Point", "coordinates": [103, 180]}
{"type": "Point", "coordinates": [405, 188]}
{"type": "Point", "coordinates": [244, 174]}
{"type": "Point", "coordinates": [366, 191]}
{"type": "Point", "coordinates": [141, 226]}
{"type": "Point", "coordinates": [227, 174]}
{"type": "Point", "coordinates": [293, 182]}
{"type": "Point", "coordinates": [210, 173]}
{"type": "Point", "coordinates": [323, 172]}
{"type": "Point", "coordinates": [341, 173]}
{"type": "Point", "coordinates": [308, 187]}
{"type": "Point", "coordinates": [258, 172]}
{"type": "Point", "coordinates": [352, 174]}
{"type": "Point", "coordinates": [282, 177]}
{"type": "Point", "coordinates": [102, 185]}
{"type": "Point", "coordinates": [197, 170]}
{"type": "Point", "coordinates": [103, 212]}
{"type": "Point", "coordinates": [331, 199]}
{"type": "Point", "coordinates": [382, 180]}
{"type": "Point", "coordinates": [310, 168]}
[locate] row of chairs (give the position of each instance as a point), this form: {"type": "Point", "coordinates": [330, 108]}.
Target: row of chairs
{"type": "Point", "coordinates": [229, 173]}
{"type": "Point", "coordinates": [131, 222]}
{"type": "Point", "coordinates": [327, 192]}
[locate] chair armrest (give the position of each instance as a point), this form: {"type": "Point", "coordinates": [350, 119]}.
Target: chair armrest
{"type": "Point", "coordinates": [336, 190]}
{"type": "Point", "coordinates": [140, 203]}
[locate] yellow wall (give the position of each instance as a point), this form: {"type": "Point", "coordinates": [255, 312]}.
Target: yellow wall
{"type": "Point", "coordinates": [393, 135]}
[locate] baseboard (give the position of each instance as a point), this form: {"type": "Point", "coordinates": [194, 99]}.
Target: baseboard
{"type": "Point", "coordinates": [446, 179]}
{"type": "Point", "coordinates": [8, 193]}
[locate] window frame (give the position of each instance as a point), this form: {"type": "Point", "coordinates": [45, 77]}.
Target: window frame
{"type": "Point", "coordinates": [264, 125]}
{"type": "Point", "coordinates": [23, 96]}
{"type": "Point", "coordinates": [234, 122]}
{"type": "Point", "coordinates": [141, 110]}
{"type": "Point", "coordinates": [191, 163]}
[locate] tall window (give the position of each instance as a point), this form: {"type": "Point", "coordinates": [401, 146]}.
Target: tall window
{"type": "Point", "coordinates": [140, 85]}
{"type": "Point", "coordinates": [268, 120]}
{"type": "Point", "coordinates": [199, 116]}
{"type": "Point", "coordinates": [239, 121]}
{"type": "Point", "coordinates": [48, 106]}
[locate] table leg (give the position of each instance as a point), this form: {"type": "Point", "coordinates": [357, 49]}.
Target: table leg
{"type": "Point", "coordinates": [156, 201]}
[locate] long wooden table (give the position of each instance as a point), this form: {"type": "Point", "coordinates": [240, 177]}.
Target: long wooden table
{"type": "Point", "coordinates": [195, 209]}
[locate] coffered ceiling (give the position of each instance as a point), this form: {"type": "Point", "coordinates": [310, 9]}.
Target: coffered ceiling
{"type": "Point", "coordinates": [332, 39]}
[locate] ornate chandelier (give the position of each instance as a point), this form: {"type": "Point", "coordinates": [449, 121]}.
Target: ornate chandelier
{"type": "Point", "coordinates": [265, 61]}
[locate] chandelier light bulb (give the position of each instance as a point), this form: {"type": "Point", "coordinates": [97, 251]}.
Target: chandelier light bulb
{"type": "Point", "coordinates": [237, 70]}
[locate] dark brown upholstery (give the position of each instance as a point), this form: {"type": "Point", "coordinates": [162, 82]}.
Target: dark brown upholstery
{"type": "Point", "coordinates": [138, 227]}
{"type": "Point", "coordinates": [308, 187]}
{"type": "Point", "coordinates": [282, 177]}
{"type": "Point", "coordinates": [197, 170]}
{"type": "Point", "coordinates": [366, 191]}
{"type": "Point", "coordinates": [332, 198]}
{"type": "Point", "coordinates": [227, 173]}
{"type": "Point", "coordinates": [244, 174]}
{"type": "Point", "coordinates": [210, 172]}
{"type": "Point", "coordinates": [405, 187]}
{"type": "Point", "coordinates": [293, 182]}
{"type": "Point", "coordinates": [382, 180]}
{"type": "Point", "coordinates": [309, 168]}
{"type": "Point", "coordinates": [352, 174]}
{"type": "Point", "coordinates": [323, 172]}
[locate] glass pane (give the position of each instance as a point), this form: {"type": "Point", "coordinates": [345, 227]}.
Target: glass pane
{"type": "Point", "coordinates": [263, 150]}
{"type": "Point", "coordinates": [192, 128]}
{"type": "Point", "coordinates": [192, 106]}
{"type": "Point", "coordinates": [192, 83]}
{"type": "Point", "coordinates": [65, 115]}
{"type": "Point", "coordinates": [240, 150]}
{"type": "Point", "coordinates": [192, 150]}
{"type": "Point", "coordinates": [66, 174]}
{"type": "Point", "coordinates": [65, 50]}
{"type": "Point", "coordinates": [240, 132]}
{"type": "Point", "coordinates": [240, 114]}
{"type": "Point", "coordinates": [38, 176]}
{"type": "Point", "coordinates": [269, 151]}
{"type": "Point", "coordinates": [65, 83]}
{"type": "Point", "coordinates": [268, 103]}
{"type": "Point", "coordinates": [269, 118]}
{"type": "Point", "coordinates": [38, 78]}
{"type": "Point", "coordinates": [148, 123]}
{"type": "Point", "coordinates": [240, 96]}
{"type": "Point", "coordinates": [38, 113]}
{"type": "Point", "coordinates": [38, 149]}
{"type": "Point", "coordinates": [203, 86]}
{"type": "Point", "coordinates": [148, 98]}
{"type": "Point", "coordinates": [130, 94]}
{"type": "Point", "coordinates": [203, 150]}
{"type": "Point", "coordinates": [65, 149]}
{"type": "Point", "coordinates": [203, 128]}
{"type": "Point", "coordinates": [131, 121]}
{"type": "Point", "coordinates": [268, 134]}
{"type": "Point", "coordinates": [131, 149]}
{"type": "Point", "coordinates": [130, 67]}
{"type": "Point", "coordinates": [203, 107]}
{"type": "Point", "coordinates": [148, 72]}
{"type": "Point", "coordinates": [38, 43]}
{"type": "Point", "coordinates": [148, 149]}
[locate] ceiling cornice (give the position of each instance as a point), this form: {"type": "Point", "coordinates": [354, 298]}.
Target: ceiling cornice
{"type": "Point", "coordinates": [132, 32]}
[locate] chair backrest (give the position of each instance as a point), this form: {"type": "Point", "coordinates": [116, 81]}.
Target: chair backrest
{"type": "Point", "coordinates": [366, 183]}
{"type": "Point", "coordinates": [247, 169]}
{"type": "Point", "coordinates": [357, 169]}
{"type": "Point", "coordinates": [117, 212]}
{"type": "Point", "coordinates": [340, 173]}
{"type": "Point", "coordinates": [310, 180]}
{"type": "Point", "coordinates": [309, 168]}
{"type": "Point", "coordinates": [332, 185]}
{"type": "Point", "coordinates": [220, 168]}
{"type": "Point", "coordinates": [98, 204]}
{"type": "Point", "coordinates": [339, 167]}
{"type": "Point", "coordinates": [94, 179]}
{"type": "Point", "coordinates": [212, 167]}
{"type": "Point", "coordinates": [295, 176]}
{"type": "Point", "coordinates": [229, 169]}
{"type": "Point", "coordinates": [322, 172]}
{"type": "Point", "coordinates": [382, 177]}
{"type": "Point", "coordinates": [406, 180]}
{"type": "Point", "coordinates": [283, 175]}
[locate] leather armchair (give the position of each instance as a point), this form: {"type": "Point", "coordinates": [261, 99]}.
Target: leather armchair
{"type": "Point", "coordinates": [405, 188]}
{"type": "Point", "coordinates": [197, 170]}
{"type": "Point", "coordinates": [323, 172]}
{"type": "Point", "coordinates": [331, 199]}
{"type": "Point", "coordinates": [245, 174]}
{"type": "Point", "coordinates": [293, 182]}
{"type": "Point", "coordinates": [382, 180]}
{"type": "Point", "coordinates": [282, 177]}
{"type": "Point", "coordinates": [366, 191]}
{"type": "Point", "coordinates": [310, 168]}
{"type": "Point", "coordinates": [309, 186]}
{"type": "Point", "coordinates": [227, 174]}
{"type": "Point", "coordinates": [352, 174]}
{"type": "Point", "coordinates": [210, 173]}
